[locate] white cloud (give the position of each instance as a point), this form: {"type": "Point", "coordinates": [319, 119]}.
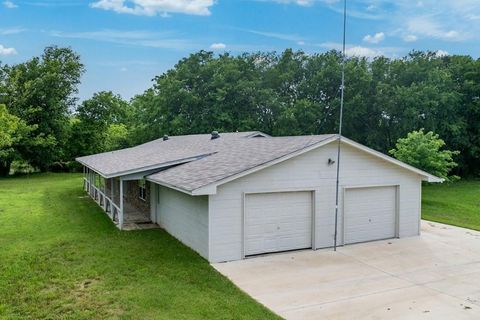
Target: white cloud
{"type": "Point", "coordinates": [442, 53]}
{"type": "Point", "coordinates": [218, 46]}
{"type": "Point", "coordinates": [425, 25]}
{"type": "Point", "coordinates": [473, 17]}
{"type": "Point", "coordinates": [275, 35]}
{"type": "Point", "coordinates": [133, 38]}
{"type": "Point", "coordinates": [301, 43]}
{"type": "Point", "coordinates": [444, 20]}
{"type": "Point", "coordinates": [9, 31]}
{"type": "Point", "coordinates": [376, 38]}
{"type": "Point", "coordinates": [4, 51]}
{"type": "Point", "coordinates": [9, 4]}
{"type": "Point", "coordinates": [410, 38]}
{"type": "Point", "coordinates": [156, 7]}
{"type": "Point", "coordinates": [359, 51]}
{"type": "Point", "coordinates": [304, 3]}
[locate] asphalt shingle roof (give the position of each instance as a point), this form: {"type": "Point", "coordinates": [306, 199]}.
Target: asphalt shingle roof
{"type": "Point", "coordinates": [209, 160]}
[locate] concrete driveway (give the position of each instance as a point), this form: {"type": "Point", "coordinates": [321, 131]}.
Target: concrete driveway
{"type": "Point", "coordinates": [434, 276]}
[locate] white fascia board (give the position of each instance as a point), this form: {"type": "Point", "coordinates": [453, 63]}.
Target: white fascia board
{"type": "Point", "coordinates": [210, 189]}
{"type": "Point", "coordinates": [425, 175]}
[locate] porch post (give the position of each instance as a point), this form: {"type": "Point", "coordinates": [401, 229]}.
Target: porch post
{"type": "Point", "coordinates": [94, 178]}
{"type": "Point", "coordinates": [112, 191]}
{"type": "Point", "coordinates": [92, 183]}
{"type": "Point", "coordinates": [120, 214]}
{"type": "Point", "coordinates": [89, 177]}
{"type": "Point", "coordinates": [153, 201]}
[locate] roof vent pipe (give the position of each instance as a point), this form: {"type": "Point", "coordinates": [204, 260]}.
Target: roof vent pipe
{"type": "Point", "coordinates": [165, 137]}
{"type": "Point", "coordinates": [215, 135]}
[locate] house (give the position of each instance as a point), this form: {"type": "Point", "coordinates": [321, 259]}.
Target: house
{"type": "Point", "coordinates": [232, 195]}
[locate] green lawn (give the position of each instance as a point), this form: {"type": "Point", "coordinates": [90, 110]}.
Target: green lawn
{"type": "Point", "coordinates": [60, 257]}
{"type": "Point", "coordinates": [453, 203]}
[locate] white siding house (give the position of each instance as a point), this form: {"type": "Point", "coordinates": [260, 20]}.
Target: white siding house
{"type": "Point", "coordinates": [254, 194]}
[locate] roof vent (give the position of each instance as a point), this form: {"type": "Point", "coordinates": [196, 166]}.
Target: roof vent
{"type": "Point", "coordinates": [165, 137]}
{"type": "Point", "coordinates": [215, 135]}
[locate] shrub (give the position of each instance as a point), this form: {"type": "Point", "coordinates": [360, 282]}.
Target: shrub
{"type": "Point", "coordinates": [424, 151]}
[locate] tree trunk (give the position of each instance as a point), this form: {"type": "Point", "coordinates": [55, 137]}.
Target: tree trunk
{"type": "Point", "coordinates": [5, 168]}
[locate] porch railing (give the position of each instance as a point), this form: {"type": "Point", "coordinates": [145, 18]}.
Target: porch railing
{"type": "Point", "coordinates": [103, 201]}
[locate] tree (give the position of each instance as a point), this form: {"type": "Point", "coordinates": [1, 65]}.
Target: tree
{"type": "Point", "coordinates": [116, 137]}
{"type": "Point", "coordinates": [99, 125]}
{"type": "Point", "coordinates": [12, 131]}
{"type": "Point", "coordinates": [41, 93]}
{"type": "Point", "coordinates": [424, 151]}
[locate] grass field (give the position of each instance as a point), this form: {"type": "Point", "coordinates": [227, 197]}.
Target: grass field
{"type": "Point", "coordinates": [61, 258]}
{"type": "Point", "coordinates": [453, 203]}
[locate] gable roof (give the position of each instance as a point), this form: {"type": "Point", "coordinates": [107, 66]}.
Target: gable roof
{"type": "Point", "coordinates": [196, 164]}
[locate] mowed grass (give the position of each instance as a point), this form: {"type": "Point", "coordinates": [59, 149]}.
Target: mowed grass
{"type": "Point", "coordinates": [455, 203]}
{"type": "Point", "coordinates": [61, 258]}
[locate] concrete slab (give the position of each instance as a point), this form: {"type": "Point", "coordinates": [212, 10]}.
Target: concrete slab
{"type": "Point", "coordinates": [434, 276]}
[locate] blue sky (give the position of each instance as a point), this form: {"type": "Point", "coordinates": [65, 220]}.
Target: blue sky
{"type": "Point", "coordinates": [125, 43]}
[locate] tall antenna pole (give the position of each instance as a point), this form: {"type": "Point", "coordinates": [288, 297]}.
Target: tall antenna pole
{"type": "Point", "coordinates": [342, 88]}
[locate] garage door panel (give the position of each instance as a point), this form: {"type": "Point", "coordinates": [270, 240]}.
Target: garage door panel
{"type": "Point", "coordinates": [277, 222]}
{"type": "Point", "coordinates": [369, 214]}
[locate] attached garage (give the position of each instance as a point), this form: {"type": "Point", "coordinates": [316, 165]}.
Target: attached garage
{"type": "Point", "coordinates": [278, 221]}
{"type": "Point", "coordinates": [370, 213]}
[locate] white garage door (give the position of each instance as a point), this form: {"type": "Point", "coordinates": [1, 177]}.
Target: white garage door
{"type": "Point", "coordinates": [370, 214]}
{"type": "Point", "coordinates": [278, 221]}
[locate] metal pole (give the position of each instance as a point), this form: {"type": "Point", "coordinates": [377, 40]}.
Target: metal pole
{"type": "Point", "coordinates": [342, 88]}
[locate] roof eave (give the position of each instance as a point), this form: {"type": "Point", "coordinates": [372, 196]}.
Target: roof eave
{"type": "Point", "coordinates": [146, 168]}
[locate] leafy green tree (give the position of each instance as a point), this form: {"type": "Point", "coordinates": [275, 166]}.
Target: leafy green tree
{"type": "Point", "coordinates": [99, 125]}
{"type": "Point", "coordinates": [424, 151]}
{"type": "Point", "coordinates": [41, 92]}
{"type": "Point", "coordinates": [12, 131]}
{"type": "Point", "coordinates": [116, 137]}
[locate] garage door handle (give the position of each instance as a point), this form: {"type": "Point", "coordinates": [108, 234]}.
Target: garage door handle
{"type": "Point", "coordinates": [278, 228]}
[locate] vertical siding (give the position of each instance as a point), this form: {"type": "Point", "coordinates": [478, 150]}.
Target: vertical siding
{"type": "Point", "coordinates": [185, 217]}
{"type": "Point", "coordinates": [310, 171]}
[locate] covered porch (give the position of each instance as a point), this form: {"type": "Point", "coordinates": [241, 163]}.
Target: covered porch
{"type": "Point", "coordinates": [126, 200]}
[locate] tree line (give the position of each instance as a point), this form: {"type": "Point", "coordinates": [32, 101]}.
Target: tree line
{"type": "Point", "coordinates": [288, 93]}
